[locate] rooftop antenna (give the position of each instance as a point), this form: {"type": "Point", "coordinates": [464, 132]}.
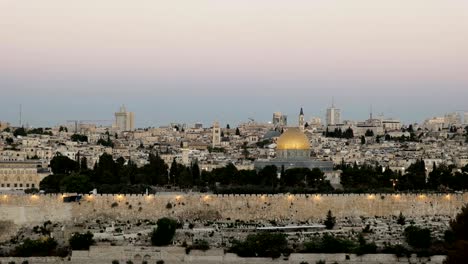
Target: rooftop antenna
{"type": "Point", "coordinates": [333, 102]}
{"type": "Point", "coordinates": [370, 111]}
{"type": "Point", "coordinates": [20, 115]}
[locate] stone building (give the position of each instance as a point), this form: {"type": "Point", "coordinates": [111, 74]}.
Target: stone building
{"type": "Point", "coordinates": [21, 175]}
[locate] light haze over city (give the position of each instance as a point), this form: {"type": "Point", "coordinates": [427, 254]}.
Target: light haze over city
{"type": "Point", "coordinates": [190, 61]}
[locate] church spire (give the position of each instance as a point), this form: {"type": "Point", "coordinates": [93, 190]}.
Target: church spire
{"type": "Point", "coordinates": [301, 120]}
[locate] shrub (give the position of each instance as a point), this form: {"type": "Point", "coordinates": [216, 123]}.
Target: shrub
{"type": "Point", "coordinates": [364, 247]}
{"type": "Point", "coordinates": [418, 237]}
{"type": "Point", "coordinates": [164, 233]}
{"type": "Point", "coordinates": [36, 248]}
{"type": "Point", "coordinates": [329, 244]}
{"type": "Point", "coordinates": [81, 241]}
{"type": "Point", "coordinates": [398, 250]}
{"type": "Point", "coordinates": [115, 262]}
{"type": "Point", "coordinates": [200, 245]}
{"type": "Point", "coordinates": [261, 245]}
{"type": "Point", "coordinates": [114, 204]}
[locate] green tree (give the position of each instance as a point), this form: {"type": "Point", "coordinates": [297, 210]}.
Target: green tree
{"type": "Point", "coordinates": [83, 164]}
{"type": "Point", "coordinates": [79, 138]}
{"type": "Point", "coordinates": [75, 183]}
{"type": "Point", "coordinates": [174, 172]}
{"type": "Point", "coordinates": [9, 140]}
{"type": "Point", "coordinates": [238, 132]}
{"type": "Point", "coordinates": [330, 220]}
{"type": "Point", "coordinates": [401, 219]}
{"type": "Point", "coordinates": [369, 133]}
{"type": "Point", "coordinates": [329, 244]}
{"type": "Point", "coordinates": [36, 248]}
{"type": "Point", "coordinates": [164, 233]}
{"type": "Point", "coordinates": [51, 183]}
{"type": "Point", "coordinates": [63, 165]}
{"type": "Point", "coordinates": [261, 245]}
{"type": "Point", "coordinates": [458, 252]}
{"type": "Point", "coordinates": [419, 238]}
{"type": "Point", "coordinates": [20, 132]}
{"type": "Point", "coordinates": [80, 241]}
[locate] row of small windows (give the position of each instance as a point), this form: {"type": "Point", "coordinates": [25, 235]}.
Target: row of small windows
{"type": "Point", "coordinates": [18, 171]}
{"type": "Point", "coordinates": [16, 185]}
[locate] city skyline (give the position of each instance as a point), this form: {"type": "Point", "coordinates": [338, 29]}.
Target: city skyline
{"type": "Point", "coordinates": [170, 62]}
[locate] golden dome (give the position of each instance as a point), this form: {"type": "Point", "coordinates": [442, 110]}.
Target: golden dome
{"type": "Point", "coordinates": [293, 139]}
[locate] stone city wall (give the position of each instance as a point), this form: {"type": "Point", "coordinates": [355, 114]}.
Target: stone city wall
{"type": "Point", "coordinates": [28, 209]}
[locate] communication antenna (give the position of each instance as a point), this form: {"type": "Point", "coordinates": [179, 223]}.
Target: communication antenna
{"type": "Point", "coordinates": [20, 115]}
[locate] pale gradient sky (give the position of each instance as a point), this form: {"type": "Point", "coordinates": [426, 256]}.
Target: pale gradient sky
{"type": "Point", "coordinates": [200, 60]}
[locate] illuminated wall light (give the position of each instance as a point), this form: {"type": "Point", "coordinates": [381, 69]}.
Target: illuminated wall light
{"type": "Point", "coordinates": [290, 197]}
{"type": "Point", "coordinates": [178, 197]}
{"type": "Point", "coordinates": [370, 196]}
{"type": "Point", "coordinates": [447, 197]}
{"type": "Point", "coordinates": [263, 197]}
{"type": "Point", "coordinates": [206, 198]}
{"type": "Point", "coordinates": [422, 196]}
{"type": "Point", "coordinates": [34, 197]}
{"type": "Point", "coordinates": [317, 197]}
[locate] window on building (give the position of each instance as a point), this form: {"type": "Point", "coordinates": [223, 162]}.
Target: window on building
{"type": "Point", "coordinates": [21, 185]}
{"type": "Point", "coordinates": [27, 185]}
{"type": "Point", "coordinates": [16, 185]}
{"type": "Point", "coordinates": [8, 185]}
{"type": "Point", "coordinates": [32, 185]}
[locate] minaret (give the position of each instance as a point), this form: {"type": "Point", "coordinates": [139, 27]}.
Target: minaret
{"type": "Point", "coordinates": [216, 134]}
{"type": "Point", "coordinates": [301, 120]}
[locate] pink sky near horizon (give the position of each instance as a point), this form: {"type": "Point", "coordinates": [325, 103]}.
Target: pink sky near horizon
{"type": "Point", "coordinates": [360, 40]}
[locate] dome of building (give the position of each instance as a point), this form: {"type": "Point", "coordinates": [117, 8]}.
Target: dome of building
{"type": "Point", "coordinates": [293, 139]}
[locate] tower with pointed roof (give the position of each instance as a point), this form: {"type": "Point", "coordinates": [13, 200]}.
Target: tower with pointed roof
{"type": "Point", "coordinates": [301, 120]}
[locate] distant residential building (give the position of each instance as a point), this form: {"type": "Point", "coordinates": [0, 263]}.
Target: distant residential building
{"type": "Point", "coordinates": [465, 118]}
{"type": "Point", "coordinates": [124, 121]}
{"type": "Point", "coordinates": [391, 124]}
{"type": "Point", "coordinates": [279, 119]}
{"type": "Point", "coordinates": [434, 123]}
{"type": "Point", "coordinates": [333, 115]}
{"type": "Point", "coordinates": [315, 122]}
{"type": "Point", "coordinates": [4, 125]}
{"type": "Point", "coordinates": [451, 119]}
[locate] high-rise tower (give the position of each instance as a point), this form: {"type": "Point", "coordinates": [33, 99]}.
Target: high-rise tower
{"type": "Point", "coordinates": [333, 115]}
{"type": "Point", "coordinates": [124, 121]}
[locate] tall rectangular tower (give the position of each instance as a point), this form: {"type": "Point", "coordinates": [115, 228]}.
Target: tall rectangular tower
{"type": "Point", "coordinates": [124, 121]}
{"type": "Point", "coordinates": [333, 116]}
